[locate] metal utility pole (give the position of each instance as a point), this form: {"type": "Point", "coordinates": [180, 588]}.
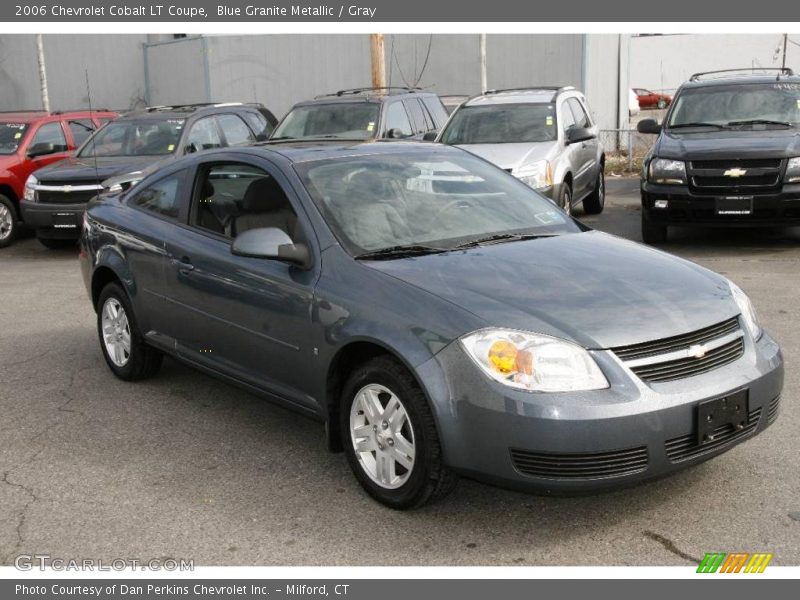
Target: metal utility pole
{"type": "Point", "coordinates": [785, 41]}
{"type": "Point", "coordinates": [484, 77]}
{"type": "Point", "coordinates": [42, 72]}
{"type": "Point", "coordinates": [377, 54]}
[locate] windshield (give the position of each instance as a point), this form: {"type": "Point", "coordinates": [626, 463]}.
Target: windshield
{"type": "Point", "coordinates": [11, 136]}
{"type": "Point", "coordinates": [345, 120]}
{"type": "Point", "coordinates": [738, 105]}
{"type": "Point", "coordinates": [502, 123]}
{"type": "Point", "coordinates": [135, 138]}
{"type": "Point", "coordinates": [433, 198]}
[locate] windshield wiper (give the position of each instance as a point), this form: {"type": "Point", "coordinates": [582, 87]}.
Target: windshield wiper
{"type": "Point", "coordinates": [499, 238]}
{"type": "Point", "coordinates": [400, 252]}
{"type": "Point", "coordinates": [697, 124]}
{"type": "Point", "coordinates": [281, 137]}
{"type": "Point", "coordinates": [759, 122]}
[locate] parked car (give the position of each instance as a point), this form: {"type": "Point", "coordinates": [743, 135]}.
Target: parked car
{"type": "Point", "coordinates": [436, 313]}
{"type": "Point", "coordinates": [56, 196]}
{"type": "Point", "coordinates": [543, 136]}
{"type": "Point", "coordinates": [726, 155]}
{"type": "Point", "coordinates": [30, 140]}
{"type": "Point", "coordinates": [365, 114]}
{"type": "Point", "coordinates": [649, 99]}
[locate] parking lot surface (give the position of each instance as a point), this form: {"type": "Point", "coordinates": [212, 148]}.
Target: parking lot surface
{"type": "Point", "coordinates": [185, 466]}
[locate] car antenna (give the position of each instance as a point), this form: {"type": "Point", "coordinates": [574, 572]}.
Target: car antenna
{"type": "Point", "coordinates": [91, 118]}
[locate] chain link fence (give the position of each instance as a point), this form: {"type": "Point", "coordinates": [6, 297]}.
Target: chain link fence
{"type": "Point", "coordinates": [625, 149]}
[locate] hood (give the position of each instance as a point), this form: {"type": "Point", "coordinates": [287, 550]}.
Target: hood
{"type": "Point", "coordinates": [511, 156]}
{"type": "Point", "coordinates": [595, 289]}
{"type": "Point", "coordinates": [765, 143]}
{"type": "Point", "coordinates": [85, 169]}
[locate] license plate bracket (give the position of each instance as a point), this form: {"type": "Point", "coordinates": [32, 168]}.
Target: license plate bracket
{"type": "Point", "coordinates": [713, 416]}
{"type": "Point", "coordinates": [734, 206]}
{"type": "Point", "coordinates": [65, 220]}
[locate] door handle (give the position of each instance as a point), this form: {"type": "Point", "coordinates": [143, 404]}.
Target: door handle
{"type": "Point", "coordinates": [184, 264]}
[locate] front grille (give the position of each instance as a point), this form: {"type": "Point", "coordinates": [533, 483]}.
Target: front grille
{"type": "Point", "coordinates": [774, 409]}
{"type": "Point", "coordinates": [72, 197]}
{"type": "Point", "coordinates": [688, 367]}
{"type": "Point", "coordinates": [678, 342]}
{"type": "Point", "coordinates": [747, 163]}
{"type": "Point", "coordinates": [760, 181]}
{"type": "Point", "coordinates": [582, 465]}
{"type": "Point", "coordinates": [686, 446]}
{"type": "Point", "coordinates": [758, 176]}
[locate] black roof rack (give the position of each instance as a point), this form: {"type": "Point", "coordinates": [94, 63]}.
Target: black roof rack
{"type": "Point", "coordinates": [362, 90]}
{"type": "Point", "coordinates": [745, 71]}
{"type": "Point", "coordinates": [533, 88]}
{"type": "Point", "coordinates": [86, 109]}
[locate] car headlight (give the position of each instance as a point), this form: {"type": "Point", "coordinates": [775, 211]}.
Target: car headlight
{"type": "Point", "coordinates": [664, 170]}
{"type": "Point", "coordinates": [30, 194]}
{"type": "Point", "coordinates": [533, 362]}
{"type": "Point", "coordinates": [538, 175]}
{"type": "Point", "coordinates": [749, 315]}
{"type": "Point", "coordinates": [793, 170]}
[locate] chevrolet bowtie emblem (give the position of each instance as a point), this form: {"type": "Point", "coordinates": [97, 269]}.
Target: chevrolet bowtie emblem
{"type": "Point", "coordinates": [67, 189]}
{"type": "Point", "coordinates": [697, 351]}
{"type": "Point", "coordinates": [735, 172]}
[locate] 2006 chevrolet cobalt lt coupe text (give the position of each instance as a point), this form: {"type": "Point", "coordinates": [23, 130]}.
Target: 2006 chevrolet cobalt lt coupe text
{"type": "Point", "coordinates": [438, 315]}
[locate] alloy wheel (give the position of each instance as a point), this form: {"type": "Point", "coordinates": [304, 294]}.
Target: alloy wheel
{"type": "Point", "coordinates": [382, 436]}
{"type": "Point", "coordinates": [6, 222]}
{"type": "Point", "coordinates": [116, 332]}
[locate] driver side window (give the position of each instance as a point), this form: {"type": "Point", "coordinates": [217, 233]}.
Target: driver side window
{"type": "Point", "coordinates": [51, 133]}
{"type": "Point", "coordinates": [231, 198]}
{"type": "Point", "coordinates": [567, 119]}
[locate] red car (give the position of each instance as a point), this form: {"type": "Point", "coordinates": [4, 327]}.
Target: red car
{"type": "Point", "coordinates": [31, 140]}
{"type": "Point", "coordinates": [648, 99]}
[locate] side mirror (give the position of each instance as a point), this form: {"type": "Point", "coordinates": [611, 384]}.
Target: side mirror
{"type": "Point", "coordinates": [395, 134]}
{"type": "Point", "coordinates": [42, 149]}
{"type": "Point", "coordinates": [648, 126]}
{"type": "Point", "coordinates": [273, 244]}
{"type": "Point", "coordinates": [191, 148]}
{"type": "Point", "coordinates": [430, 136]}
{"type": "Point", "coordinates": [580, 134]}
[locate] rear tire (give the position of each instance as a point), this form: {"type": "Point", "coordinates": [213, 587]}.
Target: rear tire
{"type": "Point", "coordinates": [595, 202]}
{"type": "Point", "coordinates": [399, 458]}
{"type": "Point", "coordinates": [653, 233]}
{"type": "Point", "coordinates": [124, 348]}
{"type": "Point", "coordinates": [9, 221]}
{"type": "Point", "coordinates": [662, 103]}
{"type": "Point", "coordinates": [56, 243]}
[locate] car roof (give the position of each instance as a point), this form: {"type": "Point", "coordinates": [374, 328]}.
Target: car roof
{"type": "Point", "coordinates": [536, 95]}
{"type": "Point", "coordinates": [30, 116]}
{"type": "Point", "coordinates": [356, 95]}
{"type": "Point", "coordinates": [182, 111]}
{"type": "Point", "coordinates": [297, 151]}
{"type": "Point", "coordinates": [745, 79]}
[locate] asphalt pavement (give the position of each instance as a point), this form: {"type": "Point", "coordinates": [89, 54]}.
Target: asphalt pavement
{"type": "Point", "coordinates": [188, 467]}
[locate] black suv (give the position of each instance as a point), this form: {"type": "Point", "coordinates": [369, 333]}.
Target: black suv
{"type": "Point", "coordinates": [365, 113]}
{"type": "Point", "coordinates": [727, 154]}
{"type": "Point", "coordinates": [126, 149]}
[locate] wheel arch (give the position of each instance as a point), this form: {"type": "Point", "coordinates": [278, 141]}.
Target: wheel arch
{"type": "Point", "coordinates": [8, 191]}
{"type": "Point", "coordinates": [110, 267]}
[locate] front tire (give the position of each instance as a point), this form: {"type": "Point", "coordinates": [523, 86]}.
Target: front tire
{"type": "Point", "coordinates": [390, 436]}
{"type": "Point", "coordinates": [565, 198]}
{"type": "Point", "coordinates": [662, 103]}
{"type": "Point", "coordinates": [652, 232]}
{"type": "Point", "coordinates": [124, 348]}
{"type": "Point", "coordinates": [595, 202]}
{"type": "Point", "coordinates": [9, 223]}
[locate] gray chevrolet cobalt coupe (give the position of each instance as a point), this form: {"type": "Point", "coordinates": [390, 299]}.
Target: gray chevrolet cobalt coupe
{"type": "Point", "coordinates": [438, 315]}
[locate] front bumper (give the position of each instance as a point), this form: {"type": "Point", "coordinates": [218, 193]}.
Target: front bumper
{"type": "Point", "coordinates": [688, 208]}
{"type": "Point", "coordinates": [570, 443]}
{"type": "Point", "coordinates": [56, 221]}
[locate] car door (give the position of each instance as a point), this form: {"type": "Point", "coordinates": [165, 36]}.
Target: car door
{"type": "Point", "coordinates": [156, 206]}
{"type": "Point", "coordinates": [245, 317]}
{"type": "Point", "coordinates": [585, 151]}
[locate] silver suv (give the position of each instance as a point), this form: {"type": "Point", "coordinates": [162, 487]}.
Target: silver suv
{"type": "Point", "coordinates": [543, 136]}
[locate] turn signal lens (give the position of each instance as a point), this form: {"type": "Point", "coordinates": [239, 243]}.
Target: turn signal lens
{"type": "Point", "coordinates": [503, 356]}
